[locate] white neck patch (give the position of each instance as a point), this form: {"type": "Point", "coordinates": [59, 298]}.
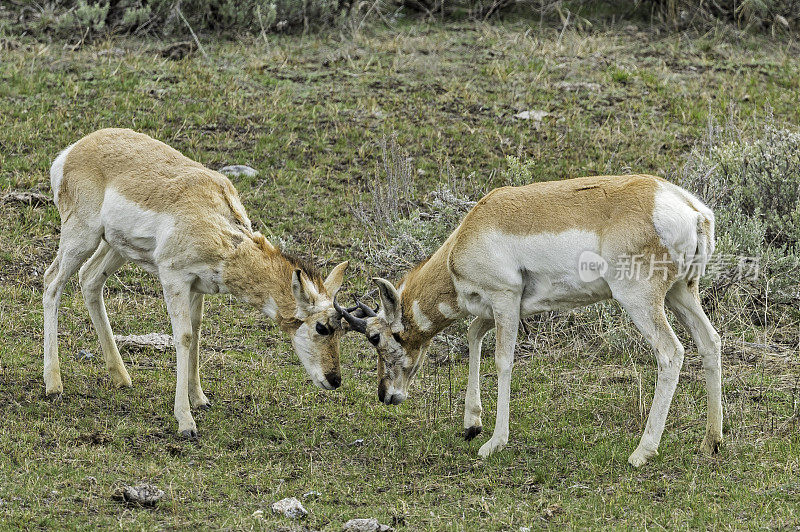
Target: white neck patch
{"type": "Point", "coordinates": [270, 308]}
{"type": "Point", "coordinates": [422, 321]}
{"type": "Point", "coordinates": [446, 310]}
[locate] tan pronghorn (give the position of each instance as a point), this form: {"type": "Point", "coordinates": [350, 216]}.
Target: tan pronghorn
{"type": "Point", "coordinates": [124, 196]}
{"type": "Point", "coordinates": [548, 246]}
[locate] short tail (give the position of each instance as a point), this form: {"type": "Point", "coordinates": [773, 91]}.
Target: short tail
{"type": "Point", "coordinates": [57, 172]}
{"type": "Point", "coordinates": [705, 245]}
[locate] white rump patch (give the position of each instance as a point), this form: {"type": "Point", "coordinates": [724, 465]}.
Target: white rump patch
{"type": "Point", "coordinates": [420, 318]}
{"type": "Point", "coordinates": [57, 172]}
{"type": "Point", "coordinates": [675, 217]}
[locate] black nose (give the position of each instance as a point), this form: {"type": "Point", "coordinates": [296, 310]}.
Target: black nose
{"type": "Point", "coordinates": [334, 379]}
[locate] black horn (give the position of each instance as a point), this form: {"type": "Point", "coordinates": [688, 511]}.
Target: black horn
{"type": "Point", "coordinates": [366, 310]}
{"type": "Point", "coordinates": [356, 324]}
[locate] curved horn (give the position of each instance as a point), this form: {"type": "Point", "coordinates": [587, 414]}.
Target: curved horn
{"type": "Point", "coordinates": [356, 324]}
{"type": "Point", "coordinates": [365, 309]}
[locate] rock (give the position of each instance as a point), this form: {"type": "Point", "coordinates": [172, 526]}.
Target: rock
{"type": "Point", "coordinates": [143, 494]}
{"type": "Point", "coordinates": [31, 198]}
{"type": "Point", "coordinates": [85, 356]}
{"type": "Point", "coordinates": [357, 443]}
{"type": "Point", "coordinates": [158, 341]}
{"type": "Point", "coordinates": [238, 169]}
{"type": "Point", "coordinates": [311, 495]}
{"type": "Point", "coordinates": [531, 115]}
{"type": "Point", "coordinates": [365, 525]}
{"type": "Point", "coordinates": [289, 507]}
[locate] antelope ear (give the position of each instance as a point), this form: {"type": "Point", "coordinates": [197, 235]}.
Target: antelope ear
{"type": "Point", "coordinates": [390, 301]}
{"type": "Point", "coordinates": [305, 293]}
{"type": "Point", "coordinates": [334, 280]}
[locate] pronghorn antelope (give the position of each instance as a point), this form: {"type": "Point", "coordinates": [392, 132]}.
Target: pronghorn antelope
{"type": "Point", "coordinates": [525, 250]}
{"type": "Point", "coordinates": [124, 196]}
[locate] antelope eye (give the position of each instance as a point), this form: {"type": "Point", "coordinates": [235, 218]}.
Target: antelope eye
{"type": "Point", "coordinates": [396, 338]}
{"type": "Point", "coordinates": [374, 339]}
{"type": "Point", "coordinates": [322, 329]}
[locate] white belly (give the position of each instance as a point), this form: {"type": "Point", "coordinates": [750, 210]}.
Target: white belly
{"type": "Point", "coordinates": [542, 270]}
{"type": "Point", "coordinates": [132, 231]}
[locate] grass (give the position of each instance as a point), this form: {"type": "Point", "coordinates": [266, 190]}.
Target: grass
{"type": "Point", "coordinates": [308, 113]}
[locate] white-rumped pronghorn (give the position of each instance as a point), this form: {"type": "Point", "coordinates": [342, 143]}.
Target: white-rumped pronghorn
{"type": "Point", "coordinates": [548, 246]}
{"type": "Point", "coordinates": [124, 196]}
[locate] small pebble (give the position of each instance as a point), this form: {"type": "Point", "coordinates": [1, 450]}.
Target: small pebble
{"type": "Point", "coordinates": [289, 507]}
{"type": "Point", "coordinates": [238, 169]}
{"type": "Point", "coordinates": [142, 494]}
{"type": "Point", "coordinates": [365, 525]}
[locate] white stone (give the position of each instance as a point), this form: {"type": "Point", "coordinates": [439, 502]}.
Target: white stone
{"type": "Point", "coordinates": [289, 507]}
{"type": "Point", "coordinates": [157, 341]}
{"type": "Point", "coordinates": [531, 115]}
{"type": "Point", "coordinates": [365, 525]}
{"type": "Point", "coordinates": [238, 169]}
{"type": "Point", "coordinates": [143, 494]}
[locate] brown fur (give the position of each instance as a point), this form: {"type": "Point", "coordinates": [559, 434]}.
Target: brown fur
{"type": "Point", "coordinates": [257, 272]}
{"type": "Point", "coordinates": [202, 200]}
{"type": "Point", "coordinates": [588, 203]}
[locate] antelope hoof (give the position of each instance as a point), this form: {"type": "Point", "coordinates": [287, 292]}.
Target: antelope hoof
{"type": "Point", "coordinates": [710, 445]}
{"type": "Point", "coordinates": [121, 379]}
{"type": "Point", "coordinates": [491, 446]}
{"type": "Point", "coordinates": [53, 389]}
{"type": "Point", "coordinates": [205, 406]}
{"type": "Point", "coordinates": [54, 397]}
{"type": "Point", "coordinates": [640, 456]}
{"type": "Point", "coordinates": [189, 434]}
{"type": "Point", "coordinates": [471, 432]}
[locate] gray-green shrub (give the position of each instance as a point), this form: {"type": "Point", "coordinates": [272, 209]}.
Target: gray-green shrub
{"type": "Point", "coordinates": [81, 19]}
{"type": "Point", "coordinates": [774, 14]}
{"type": "Point", "coordinates": [752, 182]}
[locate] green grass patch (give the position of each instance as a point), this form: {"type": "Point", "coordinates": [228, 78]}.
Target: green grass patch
{"type": "Point", "coordinates": [309, 113]}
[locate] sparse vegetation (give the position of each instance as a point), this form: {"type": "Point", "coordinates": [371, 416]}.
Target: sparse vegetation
{"type": "Point", "coordinates": [309, 113]}
{"type": "Point", "coordinates": [752, 181]}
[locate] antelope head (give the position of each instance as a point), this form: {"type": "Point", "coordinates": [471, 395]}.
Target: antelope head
{"type": "Point", "coordinates": [400, 351]}
{"type": "Point", "coordinates": [316, 339]}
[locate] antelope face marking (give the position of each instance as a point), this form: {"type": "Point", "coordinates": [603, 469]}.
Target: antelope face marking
{"type": "Point", "coordinates": [398, 361]}
{"type": "Point", "coordinates": [316, 342]}
{"type": "Point", "coordinates": [399, 357]}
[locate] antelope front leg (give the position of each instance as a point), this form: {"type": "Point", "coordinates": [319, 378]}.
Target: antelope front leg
{"type": "Point", "coordinates": [506, 315]}
{"type": "Point", "coordinates": [472, 404]}
{"type": "Point", "coordinates": [196, 394]}
{"type": "Point", "coordinates": [178, 300]}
